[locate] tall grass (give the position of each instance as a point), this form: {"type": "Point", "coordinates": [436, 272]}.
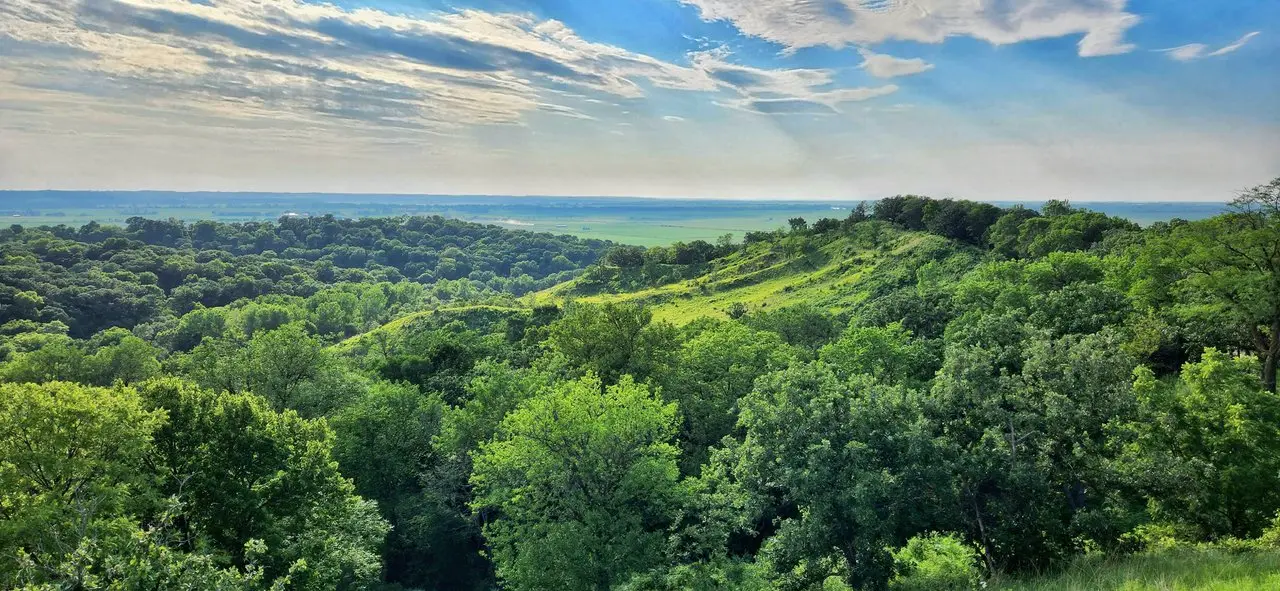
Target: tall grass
{"type": "Point", "coordinates": [1171, 570]}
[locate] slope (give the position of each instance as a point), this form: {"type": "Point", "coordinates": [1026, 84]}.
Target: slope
{"type": "Point", "coordinates": [834, 272]}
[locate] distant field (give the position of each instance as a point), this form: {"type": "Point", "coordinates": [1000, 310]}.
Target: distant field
{"type": "Point", "coordinates": [628, 220]}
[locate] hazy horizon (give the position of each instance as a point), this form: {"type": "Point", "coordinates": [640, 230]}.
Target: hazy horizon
{"type": "Point", "coordinates": [781, 199]}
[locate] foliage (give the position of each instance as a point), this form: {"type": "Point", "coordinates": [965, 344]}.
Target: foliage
{"type": "Point", "coordinates": [808, 434]}
{"type": "Point", "coordinates": [248, 473]}
{"type": "Point", "coordinates": [1232, 263]}
{"type": "Point", "coordinates": [611, 340]}
{"type": "Point", "coordinates": [72, 459]}
{"type": "Point", "coordinates": [582, 483]}
{"type": "Point", "coordinates": [1210, 447]}
{"type": "Point", "coordinates": [353, 404]}
{"type": "Point", "coordinates": [96, 277]}
{"type": "Point", "coordinates": [935, 562]}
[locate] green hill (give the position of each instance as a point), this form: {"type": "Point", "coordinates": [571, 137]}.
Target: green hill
{"type": "Point", "coordinates": [835, 274]}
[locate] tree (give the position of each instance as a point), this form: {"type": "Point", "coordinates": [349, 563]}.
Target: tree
{"type": "Point", "coordinates": [612, 340]}
{"type": "Point", "coordinates": [579, 486]}
{"type": "Point", "coordinates": [798, 225]}
{"type": "Point", "coordinates": [826, 225]}
{"type": "Point", "coordinates": [384, 443]}
{"type": "Point", "coordinates": [714, 370]}
{"type": "Point", "coordinates": [1210, 441]}
{"type": "Point", "coordinates": [889, 354]}
{"type": "Point", "coordinates": [1026, 421]}
{"type": "Point", "coordinates": [72, 457]}
{"type": "Point", "coordinates": [250, 475]}
{"type": "Point", "coordinates": [802, 325]}
{"type": "Point", "coordinates": [1233, 261]}
{"type": "Point", "coordinates": [854, 459]}
{"type": "Point", "coordinates": [280, 361]}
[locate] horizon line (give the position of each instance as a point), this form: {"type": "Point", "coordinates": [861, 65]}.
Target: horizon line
{"type": "Point", "coordinates": [636, 197]}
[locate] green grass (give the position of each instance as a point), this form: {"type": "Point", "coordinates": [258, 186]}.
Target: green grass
{"type": "Point", "coordinates": [833, 277]}
{"type": "Point", "coordinates": [1173, 570]}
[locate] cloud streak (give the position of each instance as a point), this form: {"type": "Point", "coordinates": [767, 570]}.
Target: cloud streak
{"type": "Point", "coordinates": [796, 24]}
{"type": "Point", "coordinates": [1195, 51]}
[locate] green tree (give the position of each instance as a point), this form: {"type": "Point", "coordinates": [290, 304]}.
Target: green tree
{"type": "Point", "coordinates": [1233, 261]}
{"type": "Point", "coordinates": [71, 459]}
{"type": "Point", "coordinates": [1026, 421]}
{"type": "Point", "coordinates": [579, 486]}
{"type": "Point", "coordinates": [714, 370]}
{"type": "Point", "coordinates": [612, 340]}
{"type": "Point", "coordinates": [384, 442]}
{"type": "Point", "coordinates": [855, 459]}
{"type": "Point", "coordinates": [251, 475]}
{"type": "Point", "coordinates": [1205, 449]}
{"type": "Point", "coordinates": [122, 356]}
{"type": "Point", "coordinates": [803, 326]}
{"type": "Point", "coordinates": [889, 354]}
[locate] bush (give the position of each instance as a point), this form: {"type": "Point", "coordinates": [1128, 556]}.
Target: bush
{"type": "Point", "coordinates": [1270, 537]}
{"type": "Point", "coordinates": [935, 562]}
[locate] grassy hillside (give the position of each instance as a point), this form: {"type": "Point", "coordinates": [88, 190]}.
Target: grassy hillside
{"type": "Point", "coordinates": [835, 275]}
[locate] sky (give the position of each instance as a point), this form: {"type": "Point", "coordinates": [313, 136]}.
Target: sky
{"type": "Point", "coordinates": [1125, 100]}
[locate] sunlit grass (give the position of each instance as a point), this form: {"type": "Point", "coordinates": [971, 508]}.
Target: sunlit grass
{"type": "Point", "coordinates": [1174, 570]}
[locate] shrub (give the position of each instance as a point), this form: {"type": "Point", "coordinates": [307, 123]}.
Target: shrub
{"type": "Point", "coordinates": [935, 562]}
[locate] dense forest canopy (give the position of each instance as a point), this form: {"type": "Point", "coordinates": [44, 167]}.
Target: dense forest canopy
{"type": "Point", "coordinates": [957, 391]}
{"type": "Point", "coordinates": [97, 277]}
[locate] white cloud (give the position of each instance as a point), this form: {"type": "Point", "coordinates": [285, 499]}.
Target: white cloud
{"type": "Point", "coordinates": [838, 23]}
{"type": "Point", "coordinates": [272, 58]}
{"type": "Point", "coordinates": [782, 91]}
{"type": "Point", "coordinates": [1195, 51]}
{"type": "Point", "coordinates": [292, 61]}
{"type": "Point", "coordinates": [1237, 45]}
{"type": "Point", "coordinates": [887, 66]}
{"type": "Point", "coordinates": [816, 103]}
{"type": "Point", "coordinates": [672, 118]}
{"type": "Point", "coordinates": [1188, 52]}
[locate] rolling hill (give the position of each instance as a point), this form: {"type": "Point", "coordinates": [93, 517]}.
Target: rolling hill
{"type": "Point", "coordinates": [833, 274]}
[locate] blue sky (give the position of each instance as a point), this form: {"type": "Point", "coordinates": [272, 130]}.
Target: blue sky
{"type": "Point", "coordinates": [808, 99]}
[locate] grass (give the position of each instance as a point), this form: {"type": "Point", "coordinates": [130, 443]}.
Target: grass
{"type": "Point", "coordinates": [833, 277]}
{"type": "Point", "coordinates": [1172, 570]}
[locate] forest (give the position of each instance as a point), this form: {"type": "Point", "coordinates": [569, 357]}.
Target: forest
{"type": "Point", "coordinates": [925, 395]}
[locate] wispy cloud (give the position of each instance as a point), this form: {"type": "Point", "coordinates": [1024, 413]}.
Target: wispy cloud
{"type": "Point", "coordinates": [242, 59]}
{"type": "Point", "coordinates": [887, 66]}
{"type": "Point", "coordinates": [816, 103]}
{"type": "Point", "coordinates": [1195, 51]}
{"type": "Point", "coordinates": [782, 91]}
{"type": "Point", "coordinates": [838, 23]}
{"type": "Point", "coordinates": [1237, 45]}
